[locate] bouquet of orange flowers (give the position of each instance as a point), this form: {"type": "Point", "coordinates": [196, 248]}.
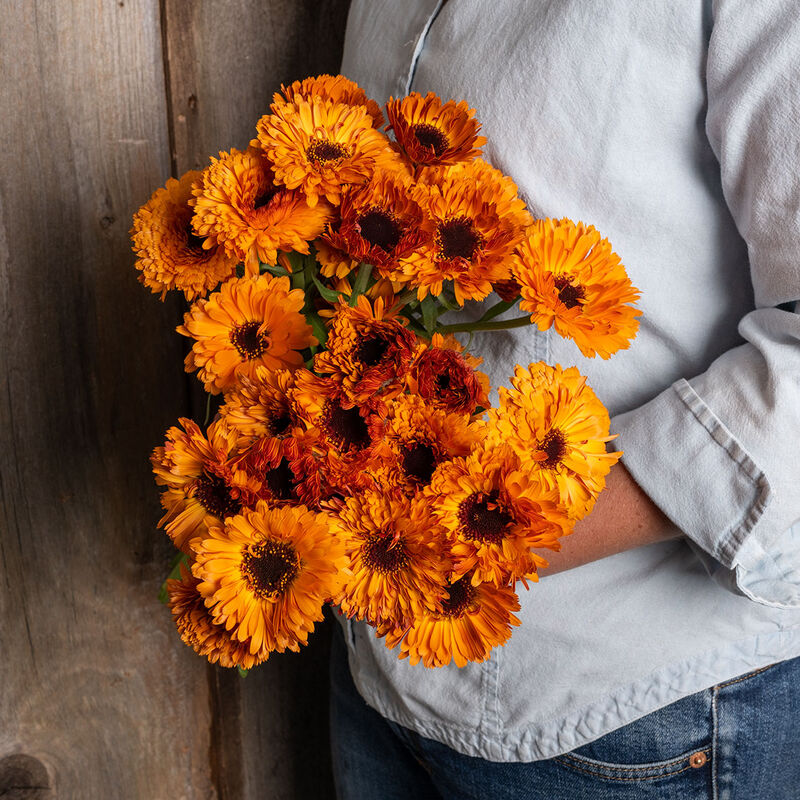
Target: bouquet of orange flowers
{"type": "Point", "coordinates": [355, 458]}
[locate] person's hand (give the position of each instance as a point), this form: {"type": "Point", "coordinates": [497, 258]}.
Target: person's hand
{"type": "Point", "coordinates": [624, 517]}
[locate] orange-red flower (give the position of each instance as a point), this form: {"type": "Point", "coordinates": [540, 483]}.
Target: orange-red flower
{"type": "Point", "coordinates": [170, 255]}
{"type": "Point", "coordinates": [267, 573]}
{"type": "Point", "coordinates": [571, 279]}
{"type": "Point", "coordinates": [472, 621]}
{"type": "Point", "coordinates": [444, 375]}
{"type": "Point", "coordinates": [321, 146]}
{"type": "Point", "coordinates": [335, 88]}
{"type": "Point", "coordinates": [432, 132]}
{"type": "Point", "coordinates": [249, 322]}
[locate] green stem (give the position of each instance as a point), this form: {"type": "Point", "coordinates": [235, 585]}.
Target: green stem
{"type": "Point", "coordinates": [501, 325]}
{"type": "Point", "coordinates": [404, 299]}
{"type": "Point", "coordinates": [361, 282]}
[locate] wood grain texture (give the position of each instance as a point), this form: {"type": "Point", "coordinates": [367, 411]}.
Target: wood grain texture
{"type": "Point", "coordinates": [99, 697]}
{"type": "Point", "coordinates": [224, 62]}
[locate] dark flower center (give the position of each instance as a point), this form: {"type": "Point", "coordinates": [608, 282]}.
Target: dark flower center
{"type": "Point", "coordinates": [459, 597]}
{"type": "Point", "coordinates": [457, 238]}
{"type": "Point", "coordinates": [431, 137]}
{"type": "Point", "coordinates": [213, 494]}
{"type": "Point", "coordinates": [569, 294]}
{"type": "Point", "coordinates": [264, 198]}
{"type": "Point", "coordinates": [280, 422]}
{"type": "Point", "coordinates": [248, 341]}
{"type": "Point", "coordinates": [345, 426]}
{"type": "Point", "coordinates": [482, 519]}
{"type": "Point", "coordinates": [443, 382]}
{"type": "Point", "coordinates": [321, 152]}
{"type": "Point", "coordinates": [194, 243]}
{"type": "Point", "coordinates": [371, 350]}
{"type": "Point", "coordinates": [419, 461]}
{"type": "Point", "coordinates": [383, 553]}
{"type": "Point", "coordinates": [280, 481]}
{"type": "Point", "coordinates": [380, 229]}
{"type": "Point", "coordinates": [269, 568]}
{"type": "Point", "coordinates": [554, 445]}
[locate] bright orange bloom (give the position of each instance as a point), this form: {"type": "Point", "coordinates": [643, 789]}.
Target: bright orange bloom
{"type": "Point", "coordinates": [239, 207]}
{"type": "Point", "coordinates": [335, 88]}
{"type": "Point", "coordinates": [334, 263]}
{"type": "Point", "coordinates": [170, 255]}
{"type": "Point", "coordinates": [397, 563]}
{"type": "Point", "coordinates": [472, 621]}
{"type": "Point", "coordinates": [262, 405]}
{"type": "Point", "coordinates": [559, 428]}
{"type": "Point", "coordinates": [267, 573]}
{"type": "Point", "coordinates": [249, 322]}
{"type": "Point", "coordinates": [200, 632]}
{"type": "Point", "coordinates": [321, 146]}
{"type": "Point", "coordinates": [572, 280]}
{"type": "Point", "coordinates": [368, 350]}
{"type": "Point", "coordinates": [495, 515]}
{"type": "Point", "coordinates": [445, 376]}
{"type": "Point", "coordinates": [431, 132]}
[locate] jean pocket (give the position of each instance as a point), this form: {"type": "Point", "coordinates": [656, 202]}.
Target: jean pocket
{"type": "Point", "coordinates": [668, 741]}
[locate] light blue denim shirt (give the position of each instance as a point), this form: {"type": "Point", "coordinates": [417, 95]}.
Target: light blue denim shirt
{"type": "Point", "coordinates": [674, 128]}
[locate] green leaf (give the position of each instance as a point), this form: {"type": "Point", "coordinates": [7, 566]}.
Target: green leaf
{"type": "Point", "coordinates": [328, 295]}
{"type": "Point", "coordinates": [277, 270]}
{"type": "Point", "coordinates": [242, 672]}
{"type": "Point", "coordinates": [497, 309]}
{"type": "Point", "coordinates": [318, 326]}
{"type": "Point", "coordinates": [429, 314]}
{"type": "Point", "coordinates": [362, 281]}
{"type": "Point", "coordinates": [174, 573]}
{"type": "Point", "coordinates": [450, 305]}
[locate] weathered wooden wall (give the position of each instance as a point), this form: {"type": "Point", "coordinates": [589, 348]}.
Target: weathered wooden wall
{"type": "Point", "coordinates": [99, 103]}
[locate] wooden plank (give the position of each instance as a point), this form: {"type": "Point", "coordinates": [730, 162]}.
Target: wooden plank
{"type": "Point", "coordinates": [99, 697]}
{"type": "Point", "coordinates": [225, 61]}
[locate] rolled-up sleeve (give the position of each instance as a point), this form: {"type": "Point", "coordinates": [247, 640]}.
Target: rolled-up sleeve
{"type": "Point", "coordinates": [719, 452]}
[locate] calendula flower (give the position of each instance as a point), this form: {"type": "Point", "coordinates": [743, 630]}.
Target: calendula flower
{"type": "Point", "coordinates": [333, 262]}
{"type": "Point", "coordinates": [495, 515]}
{"type": "Point", "coordinates": [572, 280]}
{"type": "Point", "coordinates": [203, 486]}
{"type": "Point", "coordinates": [249, 322]}
{"type": "Point", "coordinates": [432, 132]}
{"type": "Point", "coordinates": [444, 375]}
{"type": "Point", "coordinates": [321, 146]}
{"type": "Point", "coordinates": [262, 405]}
{"type": "Point", "coordinates": [368, 350]}
{"type": "Point", "coordinates": [198, 630]}
{"type": "Point", "coordinates": [266, 574]}
{"type": "Point", "coordinates": [559, 428]}
{"type": "Point", "coordinates": [238, 206]}
{"type": "Point", "coordinates": [471, 239]}
{"type": "Point", "coordinates": [170, 254]}
{"type": "Point", "coordinates": [397, 564]}
{"type": "Point", "coordinates": [378, 223]}
{"type": "Point", "coordinates": [419, 437]}
{"type": "Point", "coordinates": [335, 88]}
{"type": "Point", "coordinates": [473, 620]}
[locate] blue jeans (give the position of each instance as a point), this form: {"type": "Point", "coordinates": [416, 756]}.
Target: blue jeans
{"type": "Point", "coordinates": [739, 740]}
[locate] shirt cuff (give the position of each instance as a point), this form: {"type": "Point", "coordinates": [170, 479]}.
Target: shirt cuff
{"type": "Point", "coordinates": [696, 472]}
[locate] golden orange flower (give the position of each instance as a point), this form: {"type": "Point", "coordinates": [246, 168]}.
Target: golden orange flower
{"type": "Point", "coordinates": [320, 146]}
{"type": "Point", "coordinates": [262, 405]}
{"type": "Point", "coordinates": [571, 279]}
{"type": "Point", "coordinates": [334, 263]}
{"type": "Point", "coordinates": [495, 515]}
{"type": "Point", "coordinates": [419, 437]}
{"type": "Point", "coordinates": [378, 223]}
{"type": "Point", "coordinates": [198, 630]}
{"type": "Point", "coordinates": [203, 486]}
{"type": "Point", "coordinates": [432, 132]}
{"type": "Point", "coordinates": [472, 621]}
{"type": "Point", "coordinates": [397, 563]}
{"type": "Point", "coordinates": [444, 375]}
{"type": "Point", "coordinates": [239, 207]}
{"type": "Point", "coordinates": [249, 322]}
{"type": "Point", "coordinates": [559, 428]}
{"type": "Point", "coordinates": [472, 238]}
{"type": "Point", "coordinates": [170, 255]}
{"type": "Point", "coordinates": [369, 350]}
{"type": "Point", "coordinates": [267, 573]}
{"type": "Point", "coordinates": [335, 88]}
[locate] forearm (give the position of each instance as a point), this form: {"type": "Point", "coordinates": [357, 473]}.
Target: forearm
{"type": "Point", "coordinates": [623, 518]}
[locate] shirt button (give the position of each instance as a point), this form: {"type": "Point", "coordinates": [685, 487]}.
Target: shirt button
{"type": "Point", "coordinates": [698, 759]}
